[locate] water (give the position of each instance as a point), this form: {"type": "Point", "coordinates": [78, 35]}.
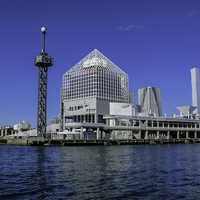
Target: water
{"type": "Point", "coordinates": [100, 172]}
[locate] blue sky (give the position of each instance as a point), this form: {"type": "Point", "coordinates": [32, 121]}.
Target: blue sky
{"type": "Point", "coordinates": [155, 41]}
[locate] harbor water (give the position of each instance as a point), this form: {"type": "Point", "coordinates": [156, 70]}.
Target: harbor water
{"type": "Point", "coordinates": [100, 172]}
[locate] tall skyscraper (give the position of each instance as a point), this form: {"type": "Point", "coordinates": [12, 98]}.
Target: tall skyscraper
{"type": "Point", "coordinates": [195, 80]}
{"type": "Point", "coordinates": [150, 101]}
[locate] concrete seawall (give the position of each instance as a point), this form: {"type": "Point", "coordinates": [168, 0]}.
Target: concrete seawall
{"type": "Point", "coordinates": [47, 142]}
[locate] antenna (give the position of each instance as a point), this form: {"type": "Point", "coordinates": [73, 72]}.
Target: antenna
{"type": "Point", "coordinates": [43, 30]}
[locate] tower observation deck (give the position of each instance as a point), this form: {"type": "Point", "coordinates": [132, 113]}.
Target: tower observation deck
{"type": "Point", "coordinates": [43, 61]}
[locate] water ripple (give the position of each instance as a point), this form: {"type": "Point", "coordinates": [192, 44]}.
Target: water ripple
{"type": "Point", "coordinates": [106, 172]}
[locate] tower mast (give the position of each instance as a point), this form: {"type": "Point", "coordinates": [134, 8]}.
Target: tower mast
{"type": "Point", "coordinates": [43, 61]}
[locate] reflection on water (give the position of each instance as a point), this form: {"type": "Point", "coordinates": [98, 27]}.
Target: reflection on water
{"type": "Point", "coordinates": [101, 172]}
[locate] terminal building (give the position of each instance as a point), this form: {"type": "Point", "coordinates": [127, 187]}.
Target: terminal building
{"type": "Point", "coordinates": [92, 88]}
{"type": "Point", "coordinates": [96, 104]}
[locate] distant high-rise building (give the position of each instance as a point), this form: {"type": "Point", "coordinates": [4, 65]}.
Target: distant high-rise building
{"type": "Point", "coordinates": [195, 80]}
{"type": "Point", "coordinates": [150, 101]}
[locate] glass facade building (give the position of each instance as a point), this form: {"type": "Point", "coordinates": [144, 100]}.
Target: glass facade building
{"type": "Point", "coordinates": [89, 86]}
{"type": "Point", "coordinates": [96, 76]}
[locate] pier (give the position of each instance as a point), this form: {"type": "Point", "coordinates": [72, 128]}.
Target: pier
{"type": "Point", "coordinates": [117, 130]}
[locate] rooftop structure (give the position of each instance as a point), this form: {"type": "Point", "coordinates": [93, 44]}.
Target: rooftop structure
{"type": "Point", "coordinates": [96, 76]}
{"type": "Point", "coordinates": [186, 111]}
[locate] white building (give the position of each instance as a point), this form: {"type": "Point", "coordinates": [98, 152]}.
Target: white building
{"type": "Point", "coordinates": [195, 80]}
{"type": "Point", "coordinates": [186, 111]}
{"type": "Point", "coordinates": [125, 109]}
{"type": "Point", "coordinates": [22, 126]}
{"type": "Point", "coordinates": [89, 87]}
{"type": "Point", "coordinates": [149, 101]}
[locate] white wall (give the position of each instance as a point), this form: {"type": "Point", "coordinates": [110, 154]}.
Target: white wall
{"type": "Point", "coordinates": [124, 109]}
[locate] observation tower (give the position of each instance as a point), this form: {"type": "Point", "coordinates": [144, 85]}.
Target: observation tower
{"type": "Point", "coordinates": [43, 61]}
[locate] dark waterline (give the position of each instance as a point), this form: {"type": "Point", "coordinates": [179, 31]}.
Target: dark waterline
{"type": "Point", "coordinates": [100, 172]}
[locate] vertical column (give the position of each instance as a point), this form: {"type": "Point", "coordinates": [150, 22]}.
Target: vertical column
{"type": "Point", "coordinates": [195, 132]}
{"type": "Point", "coordinates": [178, 135]}
{"type": "Point", "coordinates": [81, 134]}
{"type": "Point", "coordinates": [168, 135]}
{"type": "Point", "coordinates": [98, 134]}
{"type": "Point", "coordinates": [108, 122]}
{"type": "Point", "coordinates": [140, 134]}
{"type": "Point", "coordinates": [6, 131]}
{"type": "Point", "coordinates": [96, 118]}
{"type": "Point", "coordinates": [146, 135]}
{"type": "Point", "coordinates": [103, 135]}
{"type": "Point", "coordinates": [195, 135]}
{"type": "Point", "coordinates": [187, 135]}
{"type": "Point", "coordinates": [157, 134]}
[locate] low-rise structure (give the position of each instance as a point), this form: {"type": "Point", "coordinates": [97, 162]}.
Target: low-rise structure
{"type": "Point", "coordinates": [152, 127]}
{"type": "Point", "coordinates": [187, 111]}
{"type": "Point", "coordinates": [6, 130]}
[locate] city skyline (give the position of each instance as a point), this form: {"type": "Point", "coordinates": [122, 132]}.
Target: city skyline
{"type": "Point", "coordinates": [145, 42]}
